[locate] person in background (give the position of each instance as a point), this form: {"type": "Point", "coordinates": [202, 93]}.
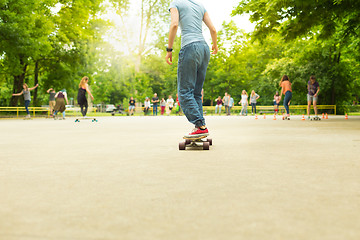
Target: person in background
{"type": "Point", "coordinates": [225, 101]}
{"type": "Point", "coordinates": [231, 104]}
{"type": "Point", "coordinates": [253, 98]}
{"type": "Point", "coordinates": [312, 96]}
{"type": "Point", "coordinates": [287, 91]}
{"type": "Point", "coordinates": [81, 97]}
{"type": "Point", "coordinates": [131, 106]}
{"type": "Point", "coordinates": [27, 97]}
{"type": "Point", "coordinates": [60, 97]}
{"type": "Point", "coordinates": [244, 103]}
{"type": "Point", "coordinates": [155, 101]}
{"type": "Point", "coordinates": [276, 102]}
{"type": "Point", "coordinates": [146, 106]}
{"type": "Point", "coordinates": [218, 106]}
{"type": "Point", "coordinates": [170, 104]}
{"type": "Point", "coordinates": [51, 93]}
{"type": "Point", "coordinates": [162, 106]}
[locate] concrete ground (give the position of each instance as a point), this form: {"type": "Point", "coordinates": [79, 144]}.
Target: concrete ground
{"type": "Point", "coordinates": [124, 178]}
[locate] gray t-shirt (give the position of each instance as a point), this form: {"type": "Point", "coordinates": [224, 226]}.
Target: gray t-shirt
{"type": "Point", "coordinates": [27, 95]}
{"type": "Point", "coordinates": [253, 98]}
{"type": "Point", "coordinates": [52, 96]}
{"type": "Point", "coordinates": [191, 15]}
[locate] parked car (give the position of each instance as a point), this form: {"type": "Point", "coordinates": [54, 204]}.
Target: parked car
{"type": "Point", "coordinates": [110, 108]}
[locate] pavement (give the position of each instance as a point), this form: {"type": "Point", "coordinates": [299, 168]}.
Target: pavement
{"type": "Point", "coordinates": [124, 178]}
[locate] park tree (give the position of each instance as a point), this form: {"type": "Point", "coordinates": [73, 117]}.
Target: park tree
{"type": "Point", "coordinates": [24, 27]}
{"type": "Point", "coordinates": [330, 25]}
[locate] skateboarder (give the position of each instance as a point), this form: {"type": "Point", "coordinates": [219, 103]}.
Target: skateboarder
{"type": "Point", "coordinates": [81, 97]}
{"type": "Point", "coordinates": [194, 58]}
{"type": "Point", "coordinates": [287, 91]}
{"type": "Point", "coordinates": [312, 96]}
{"type": "Point", "coordinates": [27, 97]}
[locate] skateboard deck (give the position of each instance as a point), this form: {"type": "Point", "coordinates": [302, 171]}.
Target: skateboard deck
{"type": "Point", "coordinates": [86, 118]}
{"type": "Point", "coordinates": [286, 118]}
{"type": "Point", "coordinates": [202, 141]}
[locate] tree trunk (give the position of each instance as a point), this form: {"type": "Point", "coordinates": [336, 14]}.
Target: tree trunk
{"type": "Point", "coordinates": [18, 85]}
{"type": "Point", "coordinates": [36, 77]}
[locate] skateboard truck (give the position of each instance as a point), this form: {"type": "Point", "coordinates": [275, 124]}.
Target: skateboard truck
{"type": "Point", "coordinates": [202, 141]}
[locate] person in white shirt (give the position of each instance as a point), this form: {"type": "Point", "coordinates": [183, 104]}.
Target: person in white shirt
{"type": "Point", "coordinates": [146, 105]}
{"type": "Point", "coordinates": [170, 104]}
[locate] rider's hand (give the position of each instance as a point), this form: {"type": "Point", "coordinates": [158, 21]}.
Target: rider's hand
{"type": "Point", "coordinates": [168, 58]}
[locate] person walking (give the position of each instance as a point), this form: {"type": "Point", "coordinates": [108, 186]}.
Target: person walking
{"type": "Point", "coordinates": [27, 97]}
{"type": "Point", "coordinates": [60, 97]}
{"type": "Point", "coordinates": [81, 97]}
{"type": "Point", "coordinates": [194, 58]}
{"type": "Point", "coordinates": [51, 93]}
{"type": "Point", "coordinates": [244, 103]}
{"type": "Point", "coordinates": [131, 106]}
{"type": "Point", "coordinates": [218, 106]}
{"type": "Point", "coordinates": [287, 91]}
{"type": "Point", "coordinates": [253, 98]}
{"type": "Point", "coordinates": [155, 101]}
{"type": "Point", "coordinates": [312, 96]}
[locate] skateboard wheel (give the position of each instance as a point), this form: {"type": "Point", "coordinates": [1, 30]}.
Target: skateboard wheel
{"type": "Point", "coordinates": [182, 146]}
{"type": "Point", "coordinates": [206, 146]}
{"type": "Point", "coordinates": [209, 141]}
{"type": "Point", "coordinates": [187, 141]}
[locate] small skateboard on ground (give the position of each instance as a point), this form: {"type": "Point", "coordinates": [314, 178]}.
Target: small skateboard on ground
{"type": "Point", "coordinates": [202, 141]}
{"type": "Point", "coordinates": [315, 118]}
{"type": "Point", "coordinates": [86, 118]}
{"type": "Point", "coordinates": [286, 118]}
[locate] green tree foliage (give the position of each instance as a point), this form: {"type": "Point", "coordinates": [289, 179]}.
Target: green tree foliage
{"type": "Point", "coordinates": [317, 35]}
{"type": "Point", "coordinates": [55, 43]}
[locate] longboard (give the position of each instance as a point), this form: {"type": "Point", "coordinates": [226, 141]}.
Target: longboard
{"type": "Point", "coordinates": [315, 119]}
{"type": "Point", "coordinates": [202, 141]}
{"type": "Point", "coordinates": [86, 118]}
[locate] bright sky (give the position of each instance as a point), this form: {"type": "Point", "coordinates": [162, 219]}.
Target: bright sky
{"type": "Point", "coordinates": [219, 11]}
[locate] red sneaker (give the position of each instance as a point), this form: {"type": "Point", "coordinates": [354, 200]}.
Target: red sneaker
{"type": "Point", "coordinates": [198, 132]}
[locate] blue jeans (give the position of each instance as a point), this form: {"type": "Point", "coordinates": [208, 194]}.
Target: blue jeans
{"type": "Point", "coordinates": [193, 61]}
{"type": "Point", "coordinates": [154, 110]}
{"type": "Point", "coordinates": [253, 108]}
{"type": "Point", "coordinates": [288, 96]}
{"type": "Point", "coordinates": [27, 104]}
